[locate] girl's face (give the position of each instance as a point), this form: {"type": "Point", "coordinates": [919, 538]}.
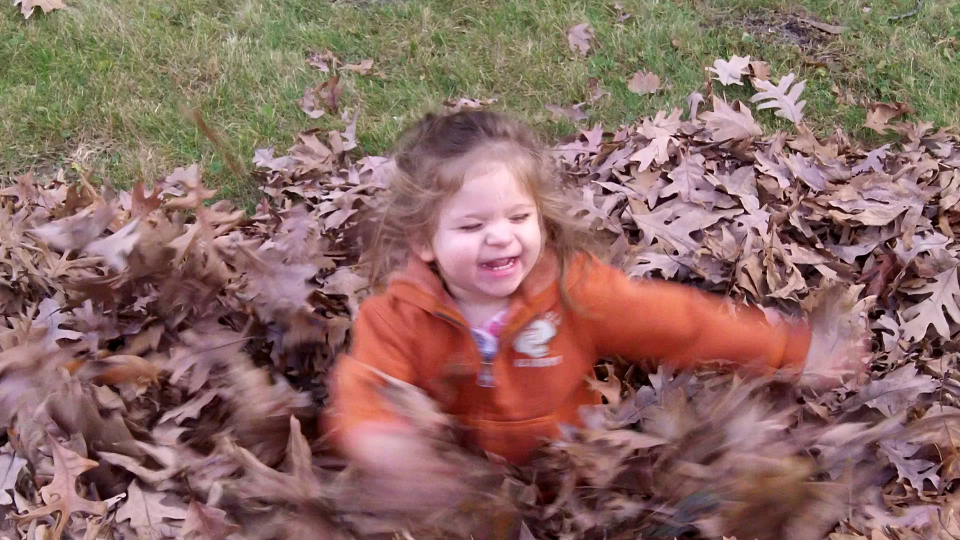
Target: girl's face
{"type": "Point", "coordinates": [488, 238]}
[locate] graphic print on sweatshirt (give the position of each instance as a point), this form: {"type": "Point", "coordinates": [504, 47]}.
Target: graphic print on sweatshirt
{"type": "Point", "coordinates": [534, 341]}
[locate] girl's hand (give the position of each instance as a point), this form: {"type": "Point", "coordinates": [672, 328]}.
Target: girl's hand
{"type": "Point", "coordinates": [839, 344]}
{"type": "Point", "coordinates": [833, 358]}
{"type": "Point", "coordinates": [403, 471]}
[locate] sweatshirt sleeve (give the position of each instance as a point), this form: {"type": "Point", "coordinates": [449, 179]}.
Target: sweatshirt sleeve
{"type": "Point", "coordinates": [680, 324]}
{"type": "Point", "coordinates": [355, 396]}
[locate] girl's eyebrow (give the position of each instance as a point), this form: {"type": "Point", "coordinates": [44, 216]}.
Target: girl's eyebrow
{"type": "Point", "coordinates": [475, 215]}
{"type": "Point", "coordinates": [515, 208]}
{"type": "Point", "coordinates": [523, 206]}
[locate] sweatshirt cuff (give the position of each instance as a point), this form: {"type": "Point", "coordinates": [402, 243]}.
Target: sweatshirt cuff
{"type": "Point", "coordinates": [796, 347]}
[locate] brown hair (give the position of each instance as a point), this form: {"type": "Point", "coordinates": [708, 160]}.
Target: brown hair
{"type": "Point", "coordinates": [432, 160]}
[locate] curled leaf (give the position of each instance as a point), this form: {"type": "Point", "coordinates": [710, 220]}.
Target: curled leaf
{"type": "Point", "coordinates": [361, 68]}
{"type": "Point", "coordinates": [879, 115]}
{"type": "Point", "coordinates": [571, 112]}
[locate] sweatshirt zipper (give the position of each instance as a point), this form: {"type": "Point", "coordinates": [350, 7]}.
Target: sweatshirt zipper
{"type": "Point", "coordinates": [505, 337]}
{"type": "Point", "coordinates": [484, 411]}
{"type": "Point", "coordinates": [481, 410]}
{"type": "Point", "coordinates": [464, 327]}
{"type": "Point", "coordinates": [450, 319]}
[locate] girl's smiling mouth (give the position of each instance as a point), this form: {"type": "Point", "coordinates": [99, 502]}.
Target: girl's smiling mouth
{"type": "Point", "coordinates": [502, 266]}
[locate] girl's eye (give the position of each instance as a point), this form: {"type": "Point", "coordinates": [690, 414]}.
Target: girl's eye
{"type": "Point", "coordinates": [471, 228]}
{"type": "Point", "coordinates": [520, 218]}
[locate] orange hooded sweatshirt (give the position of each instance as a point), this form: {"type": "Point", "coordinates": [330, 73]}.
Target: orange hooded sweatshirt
{"type": "Point", "coordinates": [414, 332]}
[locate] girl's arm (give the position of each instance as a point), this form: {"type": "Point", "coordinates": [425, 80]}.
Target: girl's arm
{"type": "Point", "coordinates": [401, 465]}
{"type": "Point", "coordinates": [656, 319]}
{"type": "Point", "coordinates": [355, 383]}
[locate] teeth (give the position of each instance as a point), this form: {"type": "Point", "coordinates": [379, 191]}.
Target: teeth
{"type": "Point", "coordinates": [510, 262]}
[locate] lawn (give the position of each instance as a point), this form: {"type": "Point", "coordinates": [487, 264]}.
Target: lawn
{"type": "Point", "coordinates": [104, 81]}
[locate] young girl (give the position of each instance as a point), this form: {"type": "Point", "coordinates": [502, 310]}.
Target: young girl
{"type": "Point", "coordinates": [484, 276]}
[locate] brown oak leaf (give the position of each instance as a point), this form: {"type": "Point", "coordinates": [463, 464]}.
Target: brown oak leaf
{"type": "Point", "coordinates": [26, 6]}
{"type": "Point", "coordinates": [323, 97]}
{"type": "Point", "coordinates": [570, 112]}
{"type": "Point", "coordinates": [149, 514]}
{"type": "Point", "coordinates": [915, 471]}
{"type": "Point", "coordinates": [361, 68]}
{"type": "Point", "coordinates": [117, 247]}
{"type": "Point", "coordinates": [452, 106]}
{"type": "Point", "coordinates": [693, 101]}
{"type": "Point", "coordinates": [729, 124]}
{"type": "Point", "coordinates": [596, 90]}
{"type": "Point", "coordinates": [323, 60]}
{"type": "Point", "coordinates": [158, 478]}
{"type": "Point", "coordinates": [779, 98]}
{"type": "Point", "coordinates": [310, 103]}
{"type": "Point", "coordinates": [329, 92]}
{"type": "Point", "coordinates": [311, 155]}
{"type": "Point", "coordinates": [609, 389]}
{"type": "Point", "coordinates": [741, 183]}
{"type": "Point", "coordinates": [78, 230]}
{"type": "Point", "coordinates": [298, 484]}
{"type": "Point", "coordinates": [643, 82]}
{"type": "Point", "coordinates": [143, 204]}
{"type": "Point", "coordinates": [879, 114]}
{"type": "Point", "coordinates": [206, 523]}
{"type": "Point", "coordinates": [676, 222]}
{"type": "Point", "coordinates": [350, 133]}
{"type": "Point", "coordinates": [60, 496]}
{"type": "Point", "coordinates": [824, 27]}
{"type": "Point", "coordinates": [347, 282]}
{"type": "Point", "coordinates": [190, 409]}
{"type": "Point", "coordinates": [622, 15]}
{"type": "Point", "coordinates": [730, 71]}
{"type": "Point", "coordinates": [10, 466]}
{"type": "Point", "coordinates": [186, 181]}
{"type": "Point", "coordinates": [895, 392]}
{"type": "Point", "coordinates": [949, 190]}
{"type": "Point", "coordinates": [689, 183]}
{"type": "Point", "coordinates": [598, 217]}
{"type": "Point", "coordinates": [580, 37]}
{"type": "Point", "coordinates": [276, 288]}
{"type": "Point", "coordinates": [51, 317]}
{"type": "Point", "coordinates": [944, 293]}
{"type": "Point", "coordinates": [656, 151]}
{"type": "Point", "coordinates": [873, 160]}
{"type": "Point", "coordinates": [760, 70]}
{"type": "Point", "coordinates": [646, 263]}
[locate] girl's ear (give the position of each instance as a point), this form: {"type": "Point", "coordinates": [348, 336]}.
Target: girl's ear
{"type": "Point", "coordinates": [422, 249]}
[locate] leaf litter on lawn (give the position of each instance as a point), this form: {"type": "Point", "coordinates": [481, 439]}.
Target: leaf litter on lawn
{"type": "Point", "coordinates": [163, 357]}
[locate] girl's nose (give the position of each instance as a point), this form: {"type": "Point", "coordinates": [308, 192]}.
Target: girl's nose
{"type": "Point", "coordinates": [498, 234]}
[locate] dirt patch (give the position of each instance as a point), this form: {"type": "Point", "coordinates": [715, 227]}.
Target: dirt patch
{"type": "Point", "coordinates": [796, 28]}
{"type": "Point", "coordinates": [785, 28]}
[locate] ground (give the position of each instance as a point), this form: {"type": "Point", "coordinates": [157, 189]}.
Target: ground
{"type": "Point", "coordinates": [105, 81]}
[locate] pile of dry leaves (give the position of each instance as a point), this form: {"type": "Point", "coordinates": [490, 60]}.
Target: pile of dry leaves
{"type": "Point", "coordinates": [163, 361]}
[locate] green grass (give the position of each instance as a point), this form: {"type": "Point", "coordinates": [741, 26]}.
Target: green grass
{"type": "Point", "coordinates": [109, 77]}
